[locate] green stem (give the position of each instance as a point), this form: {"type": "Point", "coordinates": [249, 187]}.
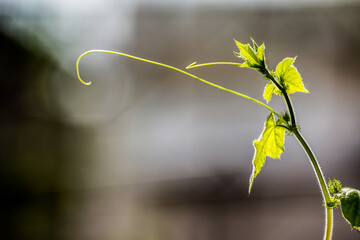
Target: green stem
{"type": "Point", "coordinates": [178, 70]}
{"type": "Point", "coordinates": [316, 166]}
{"type": "Point", "coordinates": [291, 110]}
{"type": "Point", "coordinates": [314, 162]}
{"type": "Point", "coordinates": [287, 99]}
{"type": "Point", "coordinates": [329, 223]}
{"type": "Point", "coordinates": [322, 183]}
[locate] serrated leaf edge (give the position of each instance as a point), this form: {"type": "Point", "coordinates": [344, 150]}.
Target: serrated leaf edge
{"type": "Point", "coordinates": [281, 146]}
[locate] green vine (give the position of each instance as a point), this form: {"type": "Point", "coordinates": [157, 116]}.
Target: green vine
{"type": "Point", "coordinates": [282, 81]}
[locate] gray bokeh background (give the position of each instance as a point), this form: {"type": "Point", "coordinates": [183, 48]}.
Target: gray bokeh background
{"type": "Point", "coordinates": [147, 153]}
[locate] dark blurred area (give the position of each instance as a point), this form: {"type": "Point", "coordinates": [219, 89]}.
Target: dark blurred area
{"type": "Point", "coordinates": [147, 153]}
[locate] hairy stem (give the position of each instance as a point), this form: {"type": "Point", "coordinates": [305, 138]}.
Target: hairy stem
{"type": "Point", "coordinates": [322, 183]}
{"type": "Point", "coordinates": [314, 162]}
{"type": "Point", "coordinates": [316, 166]}
{"type": "Point", "coordinates": [311, 156]}
{"type": "Point", "coordinates": [329, 223]}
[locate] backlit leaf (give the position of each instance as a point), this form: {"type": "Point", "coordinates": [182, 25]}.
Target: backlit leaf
{"type": "Point", "coordinates": [247, 53]}
{"type": "Point", "coordinates": [269, 90]}
{"type": "Point", "coordinates": [260, 53]}
{"type": "Point", "coordinates": [253, 57]}
{"type": "Point", "coordinates": [254, 44]}
{"type": "Point", "coordinates": [270, 143]}
{"type": "Point", "coordinates": [289, 76]}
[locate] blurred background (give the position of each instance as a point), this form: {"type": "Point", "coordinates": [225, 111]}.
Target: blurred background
{"type": "Point", "coordinates": [146, 153]}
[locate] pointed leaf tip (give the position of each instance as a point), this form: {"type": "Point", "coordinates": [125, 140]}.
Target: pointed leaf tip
{"type": "Point", "coordinates": [255, 46]}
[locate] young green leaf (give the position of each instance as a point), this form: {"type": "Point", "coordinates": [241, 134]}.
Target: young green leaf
{"type": "Point", "coordinates": [270, 143]}
{"type": "Point", "coordinates": [269, 90]}
{"type": "Point", "coordinates": [289, 76]}
{"type": "Point", "coordinates": [350, 206]}
{"type": "Point", "coordinates": [260, 53]}
{"type": "Point", "coordinates": [254, 57]}
{"type": "Point", "coordinates": [334, 186]}
{"type": "Point", "coordinates": [247, 53]}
